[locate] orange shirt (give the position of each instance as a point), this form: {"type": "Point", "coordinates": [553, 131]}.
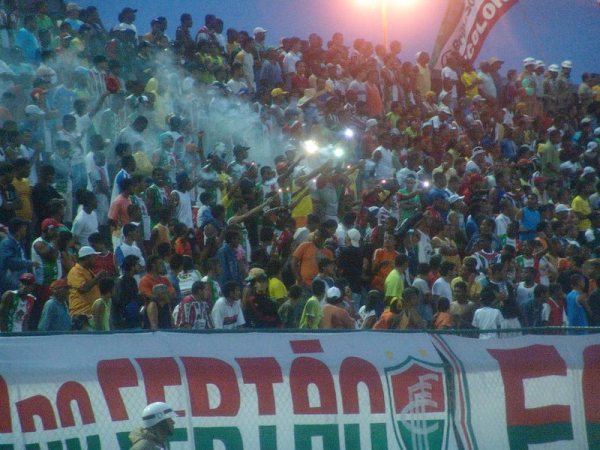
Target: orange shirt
{"type": "Point", "coordinates": [148, 281]}
{"type": "Point", "coordinates": [308, 254]}
{"type": "Point", "coordinates": [381, 254]}
{"type": "Point", "coordinates": [443, 320]}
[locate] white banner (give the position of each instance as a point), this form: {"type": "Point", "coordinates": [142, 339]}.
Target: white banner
{"type": "Point", "coordinates": [465, 26]}
{"type": "Point", "coordinates": [256, 391]}
{"type": "Point", "coordinates": [530, 392]}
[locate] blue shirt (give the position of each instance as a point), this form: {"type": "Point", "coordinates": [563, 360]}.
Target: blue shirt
{"type": "Point", "coordinates": [55, 316]}
{"type": "Point", "coordinates": [575, 312]}
{"type": "Point", "coordinates": [29, 44]}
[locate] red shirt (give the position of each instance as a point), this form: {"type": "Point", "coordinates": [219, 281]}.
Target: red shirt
{"type": "Point", "coordinates": [105, 262]}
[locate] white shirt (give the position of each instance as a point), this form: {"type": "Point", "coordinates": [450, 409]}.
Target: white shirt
{"type": "Point", "coordinates": [385, 166]}
{"type": "Point", "coordinates": [487, 318]}
{"type": "Point", "coordinates": [442, 288]}
{"type": "Point", "coordinates": [502, 223]}
{"type": "Point", "coordinates": [84, 225]}
{"type": "Point", "coordinates": [289, 62]}
{"type": "Point", "coordinates": [447, 72]}
{"type": "Point", "coordinates": [524, 294]}
{"type": "Point", "coordinates": [227, 316]}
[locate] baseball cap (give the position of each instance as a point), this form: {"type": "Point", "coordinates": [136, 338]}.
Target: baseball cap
{"type": "Point", "coordinates": [585, 121]}
{"type": "Point", "coordinates": [539, 63]}
{"type": "Point", "coordinates": [259, 30]}
{"type": "Point", "coordinates": [455, 198]}
{"type": "Point", "coordinates": [477, 151]}
{"type": "Point", "coordinates": [49, 223]}
{"type": "Point", "coordinates": [86, 250]}
{"type": "Point", "coordinates": [560, 208]}
{"type": "Point", "coordinates": [566, 64]}
{"type": "Point", "coordinates": [477, 98]}
{"type": "Point", "coordinates": [35, 110]}
{"type": "Point", "coordinates": [333, 292]}
{"type": "Point", "coordinates": [445, 109]}
{"type": "Point", "coordinates": [553, 68]}
{"type": "Point", "coordinates": [354, 236]}
{"type": "Point", "coordinates": [591, 147]}
{"type": "Point", "coordinates": [495, 59]}
{"type": "Point", "coordinates": [59, 284]}
{"type": "Point", "coordinates": [255, 274]}
{"type": "Point", "coordinates": [277, 92]}
{"type": "Point", "coordinates": [27, 278]}
{"type": "Point", "coordinates": [588, 170]}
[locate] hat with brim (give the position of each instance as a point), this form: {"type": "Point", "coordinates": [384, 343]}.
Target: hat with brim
{"type": "Point", "coordinates": [86, 251]}
{"type": "Point", "coordinates": [560, 208]}
{"type": "Point", "coordinates": [309, 94]}
{"type": "Point", "coordinates": [477, 151]}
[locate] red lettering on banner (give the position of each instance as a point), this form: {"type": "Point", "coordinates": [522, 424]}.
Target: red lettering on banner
{"type": "Point", "coordinates": [37, 405]}
{"type": "Point", "coordinates": [354, 371]}
{"type": "Point", "coordinates": [200, 373]}
{"type": "Point", "coordinates": [304, 372]}
{"type": "Point", "coordinates": [5, 421]}
{"type": "Point", "coordinates": [306, 346]}
{"type": "Point", "coordinates": [263, 373]}
{"type": "Point", "coordinates": [158, 373]}
{"type": "Point", "coordinates": [517, 365]}
{"type": "Point", "coordinates": [72, 391]}
{"type": "Point", "coordinates": [114, 374]}
{"type": "Point", "coordinates": [487, 16]}
{"type": "Point", "coordinates": [590, 384]}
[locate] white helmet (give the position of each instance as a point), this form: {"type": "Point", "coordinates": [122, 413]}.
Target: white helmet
{"type": "Point", "coordinates": [155, 413]}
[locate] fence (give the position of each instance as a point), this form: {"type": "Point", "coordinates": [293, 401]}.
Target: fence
{"type": "Point", "coordinates": [320, 390]}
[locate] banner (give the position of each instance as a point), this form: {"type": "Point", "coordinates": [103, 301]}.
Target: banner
{"type": "Point", "coordinates": [526, 392]}
{"type": "Point", "coordinates": [465, 26]}
{"type": "Point", "coordinates": [255, 391]}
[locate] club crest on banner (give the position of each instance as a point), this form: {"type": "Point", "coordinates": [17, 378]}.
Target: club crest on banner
{"type": "Point", "coordinates": [419, 405]}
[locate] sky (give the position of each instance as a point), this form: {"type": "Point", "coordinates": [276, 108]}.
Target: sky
{"type": "Point", "coordinates": [551, 30]}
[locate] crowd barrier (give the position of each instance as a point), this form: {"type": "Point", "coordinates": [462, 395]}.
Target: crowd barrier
{"type": "Point", "coordinates": [303, 391]}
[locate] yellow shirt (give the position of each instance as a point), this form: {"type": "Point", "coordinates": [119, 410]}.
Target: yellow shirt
{"type": "Point", "coordinates": [277, 290]}
{"type": "Point", "coordinates": [582, 206]}
{"type": "Point", "coordinates": [24, 193]}
{"type": "Point", "coordinates": [81, 303]}
{"type": "Point", "coordinates": [469, 80]}
{"type": "Point", "coordinates": [473, 289]}
{"type": "Point", "coordinates": [305, 206]}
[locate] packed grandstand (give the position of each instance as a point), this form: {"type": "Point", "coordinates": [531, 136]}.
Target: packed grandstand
{"type": "Point", "coordinates": [213, 182]}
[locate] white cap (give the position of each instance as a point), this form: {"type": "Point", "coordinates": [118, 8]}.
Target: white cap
{"type": "Point", "coordinates": [86, 250]}
{"type": "Point", "coordinates": [539, 63]}
{"type": "Point", "coordinates": [585, 121]}
{"type": "Point", "coordinates": [477, 98]}
{"type": "Point", "coordinates": [566, 64]}
{"type": "Point", "coordinates": [553, 68]}
{"type": "Point", "coordinates": [455, 198]}
{"type": "Point", "coordinates": [155, 413]}
{"type": "Point", "coordinates": [371, 123]}
{"type": "Point", "coordinates": [597, 132]}
{"type": "Point", "coordinates": [477, 151]}
{"type": "Point", "coordinates": [354, 236]}
{"type": "Point", "coordinates": [561, 208]}
{"type": "Point", "coordinates": [333, 292]}
{"type": "Point", "coordinates": [445, 109]}
{"type": "Point", "coordinates": [259, 30]}
{"type": "Point", "coordinates": [588, 170]}
{"type": "Point", "coordinates": [34, 109]}
{"type": "Point", "coordinates": [592, 146]}
{"type": "Point", "coordinates": [528, 61]}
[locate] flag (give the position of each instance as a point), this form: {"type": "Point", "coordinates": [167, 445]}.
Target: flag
{"type": "Point", "coordinates": [465, 26]}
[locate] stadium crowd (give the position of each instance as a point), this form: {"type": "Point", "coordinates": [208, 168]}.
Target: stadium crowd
{"type": "Point", "coordinates": [212, 181]}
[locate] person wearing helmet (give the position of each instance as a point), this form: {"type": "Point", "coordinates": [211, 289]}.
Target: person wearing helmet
{"type": "Point", "coordinates": [158, 427]}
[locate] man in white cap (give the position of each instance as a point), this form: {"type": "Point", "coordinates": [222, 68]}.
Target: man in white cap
{"type": "Point", "coordinates": [260, 48]}
{"type": "Point", "coordinates": [477, 162]}
{"type": "Point", "coordinates": [566, 98]}
{"type": "Point", "coordinates": [334, 314]}
{"type": "Point", "coordinates": [158, 426]}
{"type": "Point", "coordinates": [540, 68]}
{"type": "Point", "coordinates": [550, 88]}
{"type": "Point", "coordinates": [528, 82]}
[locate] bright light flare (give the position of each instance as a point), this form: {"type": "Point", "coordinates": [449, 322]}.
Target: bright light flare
{"type": "Point", "coordinates": [349, 133]}
{"type": "Point", "coordinates": [311, 147]}
{"type": "Point", "coordinates": [338, 152]}
{"type": "Point", "coordinates": [374, 3]}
